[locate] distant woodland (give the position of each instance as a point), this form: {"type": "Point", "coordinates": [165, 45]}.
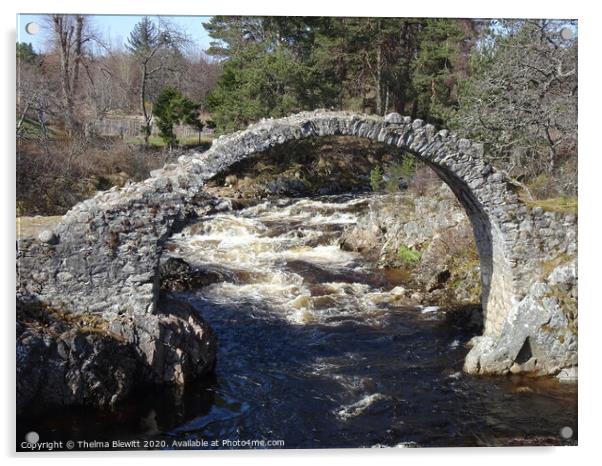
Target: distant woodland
{"type": "Point", "coordinates": [93, 114]}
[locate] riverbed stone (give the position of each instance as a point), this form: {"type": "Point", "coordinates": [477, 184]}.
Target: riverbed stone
{"type": "Point", "coordinates": [178, 275]}
{"type": "Point", "coordinates": [568, 375]}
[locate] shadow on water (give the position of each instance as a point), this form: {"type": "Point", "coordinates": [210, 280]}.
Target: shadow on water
{"type": "Point", "coordinates": [340, 383]}
{"type": "Point", "coordinates": [357, 384]}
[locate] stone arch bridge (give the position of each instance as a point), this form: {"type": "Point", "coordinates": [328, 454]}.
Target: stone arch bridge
{"type": "Point", "coordinates": [103, 257]}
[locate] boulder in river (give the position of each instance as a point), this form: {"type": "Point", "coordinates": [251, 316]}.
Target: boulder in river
{"type": "Point", "coordinates": [178, 275]}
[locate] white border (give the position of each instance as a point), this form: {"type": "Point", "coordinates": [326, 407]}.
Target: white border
{"type": "Point", "coordinates": [589, 211]}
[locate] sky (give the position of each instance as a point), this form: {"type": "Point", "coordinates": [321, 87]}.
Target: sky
{"type": "Point", "coordinates": [115, 28]}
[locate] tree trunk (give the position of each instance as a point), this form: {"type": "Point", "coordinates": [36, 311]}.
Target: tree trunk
{"type": "Point", "coordinates": [386, 107]}
{"type": "Point", "coordinates": [24, 113]}
{"type": "Point", "coordinates": [70, 41]}
{"type": "Point", "coordinates": [70, 47]}
{"type": "Point", "coordinates": [77, 58]}
{"type": "Point", "coordinates": [414, 108]}
{"type": "Point", "coordinates": [146, 129]}
{"type": "Point", "coordinates": [379, 98]}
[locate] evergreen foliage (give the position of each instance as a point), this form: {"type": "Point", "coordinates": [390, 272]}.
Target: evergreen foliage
{"type": "Point", "coordinates": [274, 66]}
{"type": "Point", "coordinates": [143, 37]}
{"type": "Point", "coordinates": [171, 109]}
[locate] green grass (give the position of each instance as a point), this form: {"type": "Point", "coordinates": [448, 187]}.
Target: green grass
{"type": "Point", "coordinates": [408, 256]}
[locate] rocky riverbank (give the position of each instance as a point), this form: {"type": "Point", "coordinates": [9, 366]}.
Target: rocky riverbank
{"type": "Point", "coordinates": [429, 237]}
{"type": "Point", "coordinates": [66, 359]}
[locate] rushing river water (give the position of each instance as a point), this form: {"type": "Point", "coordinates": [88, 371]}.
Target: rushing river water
{"type": "Point", "coordinates": [317, 349]}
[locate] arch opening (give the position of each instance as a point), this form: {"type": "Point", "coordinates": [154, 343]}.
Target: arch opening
{"type": "Point", "coordinates": [484, 233]}
{"type": "Point", "coordinates": [293, 168]}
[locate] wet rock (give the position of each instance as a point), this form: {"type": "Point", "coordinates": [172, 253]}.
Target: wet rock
{"type": "Point", "coordinates": [568, 375]}
{"type": "Point", "coordinates": [176, 274]}
{"type": "Point", "coordinates": [287, 187]}
{"type": "Point", "coordinates": [465, 317]}
{"type": "Point", "coordinates": [75, 360]}
{"type": "Point", "coordinates": [63, 364]}
{"type": "Point", "coordinates": [74, 369]}
{"type": "Point", "coordinates": [179, 343]}
{"type": "Point", "coordinates": [363, 240]}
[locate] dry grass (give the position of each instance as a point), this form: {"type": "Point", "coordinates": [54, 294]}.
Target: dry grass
{"type": "Point", "coordinates": [565, 205]}
{"type": "Point", "coordinates": [30, 227]}
{"type": "Point", "coordinates": [424, 181]}
{"type": "Point", "coordinates": [548, 266]}
{"type": "Point", "coordinates": [188, 141]}
{"type": "Point", "coordinates": [53, 177]}
{"type": "Point", "coordinates": [56, 322]}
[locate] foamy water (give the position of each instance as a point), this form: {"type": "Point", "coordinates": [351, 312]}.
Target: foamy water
{"type": "Point", "coordinates": [276, 241]}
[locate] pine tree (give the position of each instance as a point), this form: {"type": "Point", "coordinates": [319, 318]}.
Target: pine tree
{"type": "Point", "coordinates": [26, 53]}
{"type": "Point", "coordinates": [440, 66]}
{"type": "Point", "coordinates": [143, 38]}
{"type": "Point", "coordinates": [267, 71]}
{"type": "Point", "coordinates": [172, 108]}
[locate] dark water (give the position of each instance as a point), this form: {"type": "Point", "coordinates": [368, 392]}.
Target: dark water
{"type": "Point", "coordinates": [314, 353]}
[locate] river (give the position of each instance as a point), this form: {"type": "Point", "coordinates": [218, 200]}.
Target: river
{"type": "Point", "coordinates": [317, 349]}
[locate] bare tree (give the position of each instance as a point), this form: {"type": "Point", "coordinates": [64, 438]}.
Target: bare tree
{"type": "Point", "coordinates": [36, 101]}
{"type": "Point", "coordinates": [156, 47]}
{"type": "Point", "coordinates": [70, 38]}
{"type": "Point", "coordinates": [201, 77]}
{"type": "Point", "coordinates": [522, 98]}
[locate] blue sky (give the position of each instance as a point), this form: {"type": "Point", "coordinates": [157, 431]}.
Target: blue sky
{"type": "Point", "coordinates": [116, 28]}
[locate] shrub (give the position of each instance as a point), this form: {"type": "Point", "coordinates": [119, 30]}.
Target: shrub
{"type": "Point", "coordinates": [424, 181]}
{"type": "Point", "coordinates": [51, 178]}
{"type": "Point", "coordinates": [407, 167]}
{"type": "Point", "coordinates": [407, 255]}
{"type": "Point", "coordinates": [172, 108]}
{"type": "Point", "coordinates": [376, 179]}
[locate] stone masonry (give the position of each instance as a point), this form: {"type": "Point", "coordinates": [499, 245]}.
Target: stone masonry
{"type": "Point", "coordinates": [103, 257]}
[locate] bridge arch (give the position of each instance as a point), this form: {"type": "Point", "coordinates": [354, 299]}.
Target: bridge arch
{"type": "Point", "coordinates": [489, 202]}
{"type": "Point", "coordinates": [105, 253]}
